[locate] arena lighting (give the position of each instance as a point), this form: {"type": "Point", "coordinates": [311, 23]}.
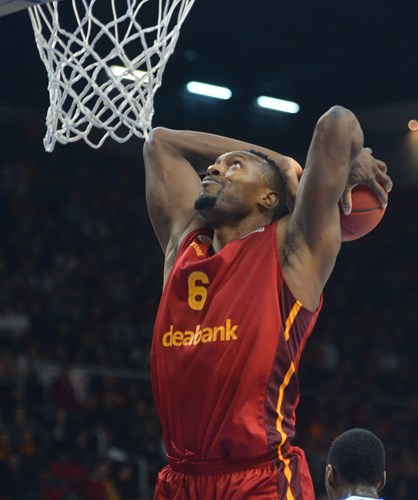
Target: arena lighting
{"type": "Point", "coordinates": [278, 104]}
{"type": "Point", "coordinates": [209, 90]}
{"type": "Point", "coordinates": [120, 70]}
{"type": "Point", "coordinates": [413, 125]}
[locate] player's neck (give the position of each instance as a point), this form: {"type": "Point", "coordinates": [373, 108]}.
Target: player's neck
{"type": "Point", "coordinates": [228, 233]}
{"type": "Point", "coordinates": [360, 492]}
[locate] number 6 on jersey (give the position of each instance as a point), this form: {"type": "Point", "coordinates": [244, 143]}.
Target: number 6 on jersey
{"type": "Point", "coordinates": [197, 292]}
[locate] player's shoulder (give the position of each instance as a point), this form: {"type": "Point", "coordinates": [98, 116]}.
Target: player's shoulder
{"type": "Point", "coordinates": [181, 238]}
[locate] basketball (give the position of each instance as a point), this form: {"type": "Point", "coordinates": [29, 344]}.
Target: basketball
{"type": "Point", "coordinates": [365, 215]}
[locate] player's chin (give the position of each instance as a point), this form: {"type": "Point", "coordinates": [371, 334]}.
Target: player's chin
{"type": "Point", "coordinates": [205, 201]}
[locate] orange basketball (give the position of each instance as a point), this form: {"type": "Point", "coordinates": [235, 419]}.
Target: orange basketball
{"type": "Point", "coordinates": [365, 215]}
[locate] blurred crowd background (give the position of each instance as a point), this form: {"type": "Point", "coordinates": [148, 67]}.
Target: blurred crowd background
{"type": "Point", "coordinates": [81, 275]}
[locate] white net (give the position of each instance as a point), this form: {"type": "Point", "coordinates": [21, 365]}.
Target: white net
{"type": "Point", "coordinates": [105, 61]}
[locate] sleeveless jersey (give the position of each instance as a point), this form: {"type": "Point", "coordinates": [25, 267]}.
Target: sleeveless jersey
{"type": "Point", "coordinates": [226, 346]}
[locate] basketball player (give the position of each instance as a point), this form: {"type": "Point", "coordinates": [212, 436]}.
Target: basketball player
{"type": "Point", "coordinates": [242, 291]}
{"type": "Point", "coordinates": [356, 466]}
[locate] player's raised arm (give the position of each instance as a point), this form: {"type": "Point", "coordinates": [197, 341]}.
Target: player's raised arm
{"type": "Point", "coordinates": [172, 181]}
{"type": "Point", "coordinates": [173, 161]}
{"type": "Point", "coordinates": [336, 159]}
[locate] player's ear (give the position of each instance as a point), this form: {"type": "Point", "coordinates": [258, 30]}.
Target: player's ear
{"type": "Point", "coordinates": [329, 475]}
{"type": "Point", "coordinates": [269, 199]}
{"type": "Point", "coordinates": [382, 482]}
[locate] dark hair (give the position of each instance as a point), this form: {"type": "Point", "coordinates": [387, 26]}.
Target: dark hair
{"type": "Point", "coordinates": [276, 181]}
{"type": "Point", "coordinates": [358, 456]}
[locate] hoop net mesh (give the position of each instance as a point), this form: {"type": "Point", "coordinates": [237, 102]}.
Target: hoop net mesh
{"type": "Point", "coordinates": [81, 41]}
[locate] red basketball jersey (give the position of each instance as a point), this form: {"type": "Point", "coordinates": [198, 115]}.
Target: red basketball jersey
{"type": "Point", "coordinates": [226, 347]}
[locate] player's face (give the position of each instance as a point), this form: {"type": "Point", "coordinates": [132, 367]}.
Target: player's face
{"type": "Point", "coordinates": [233, 183]}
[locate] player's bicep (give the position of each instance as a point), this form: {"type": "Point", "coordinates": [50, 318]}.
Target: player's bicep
{"type": "Point", "coordinates": [316, 212]}
{"type": "Point", "coordinates": [311, 242]}
{"type": "Point", "coordinates": [336, 142]}
{"type": "Point", "coordinates": [315, 221]}
{"type": "Point", "coordinates": [172, 187]}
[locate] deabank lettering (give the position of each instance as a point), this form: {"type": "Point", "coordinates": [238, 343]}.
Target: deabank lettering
{"type": "Point", "coordinates": [222, 333]}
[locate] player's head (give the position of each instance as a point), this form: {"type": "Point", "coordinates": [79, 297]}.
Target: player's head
{"type": "Point", "coordinates": [356, 465]}
{"type": "Point", "coordinates": [240, 182]}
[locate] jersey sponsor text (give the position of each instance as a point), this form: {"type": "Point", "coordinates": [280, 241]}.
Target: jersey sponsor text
{"type": "Point", "coordinates": [222, 333]}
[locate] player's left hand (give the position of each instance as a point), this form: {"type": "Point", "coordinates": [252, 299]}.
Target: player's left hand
{"type": "Point", "coordinates": [367, 171]}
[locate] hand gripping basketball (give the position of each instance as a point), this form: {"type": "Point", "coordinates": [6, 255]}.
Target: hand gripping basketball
{"type": "Point", "coordinates": [365, 215]}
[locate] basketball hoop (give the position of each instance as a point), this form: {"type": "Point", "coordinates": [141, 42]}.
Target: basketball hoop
{"type": "Point", "coordinates": [104, 65]}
